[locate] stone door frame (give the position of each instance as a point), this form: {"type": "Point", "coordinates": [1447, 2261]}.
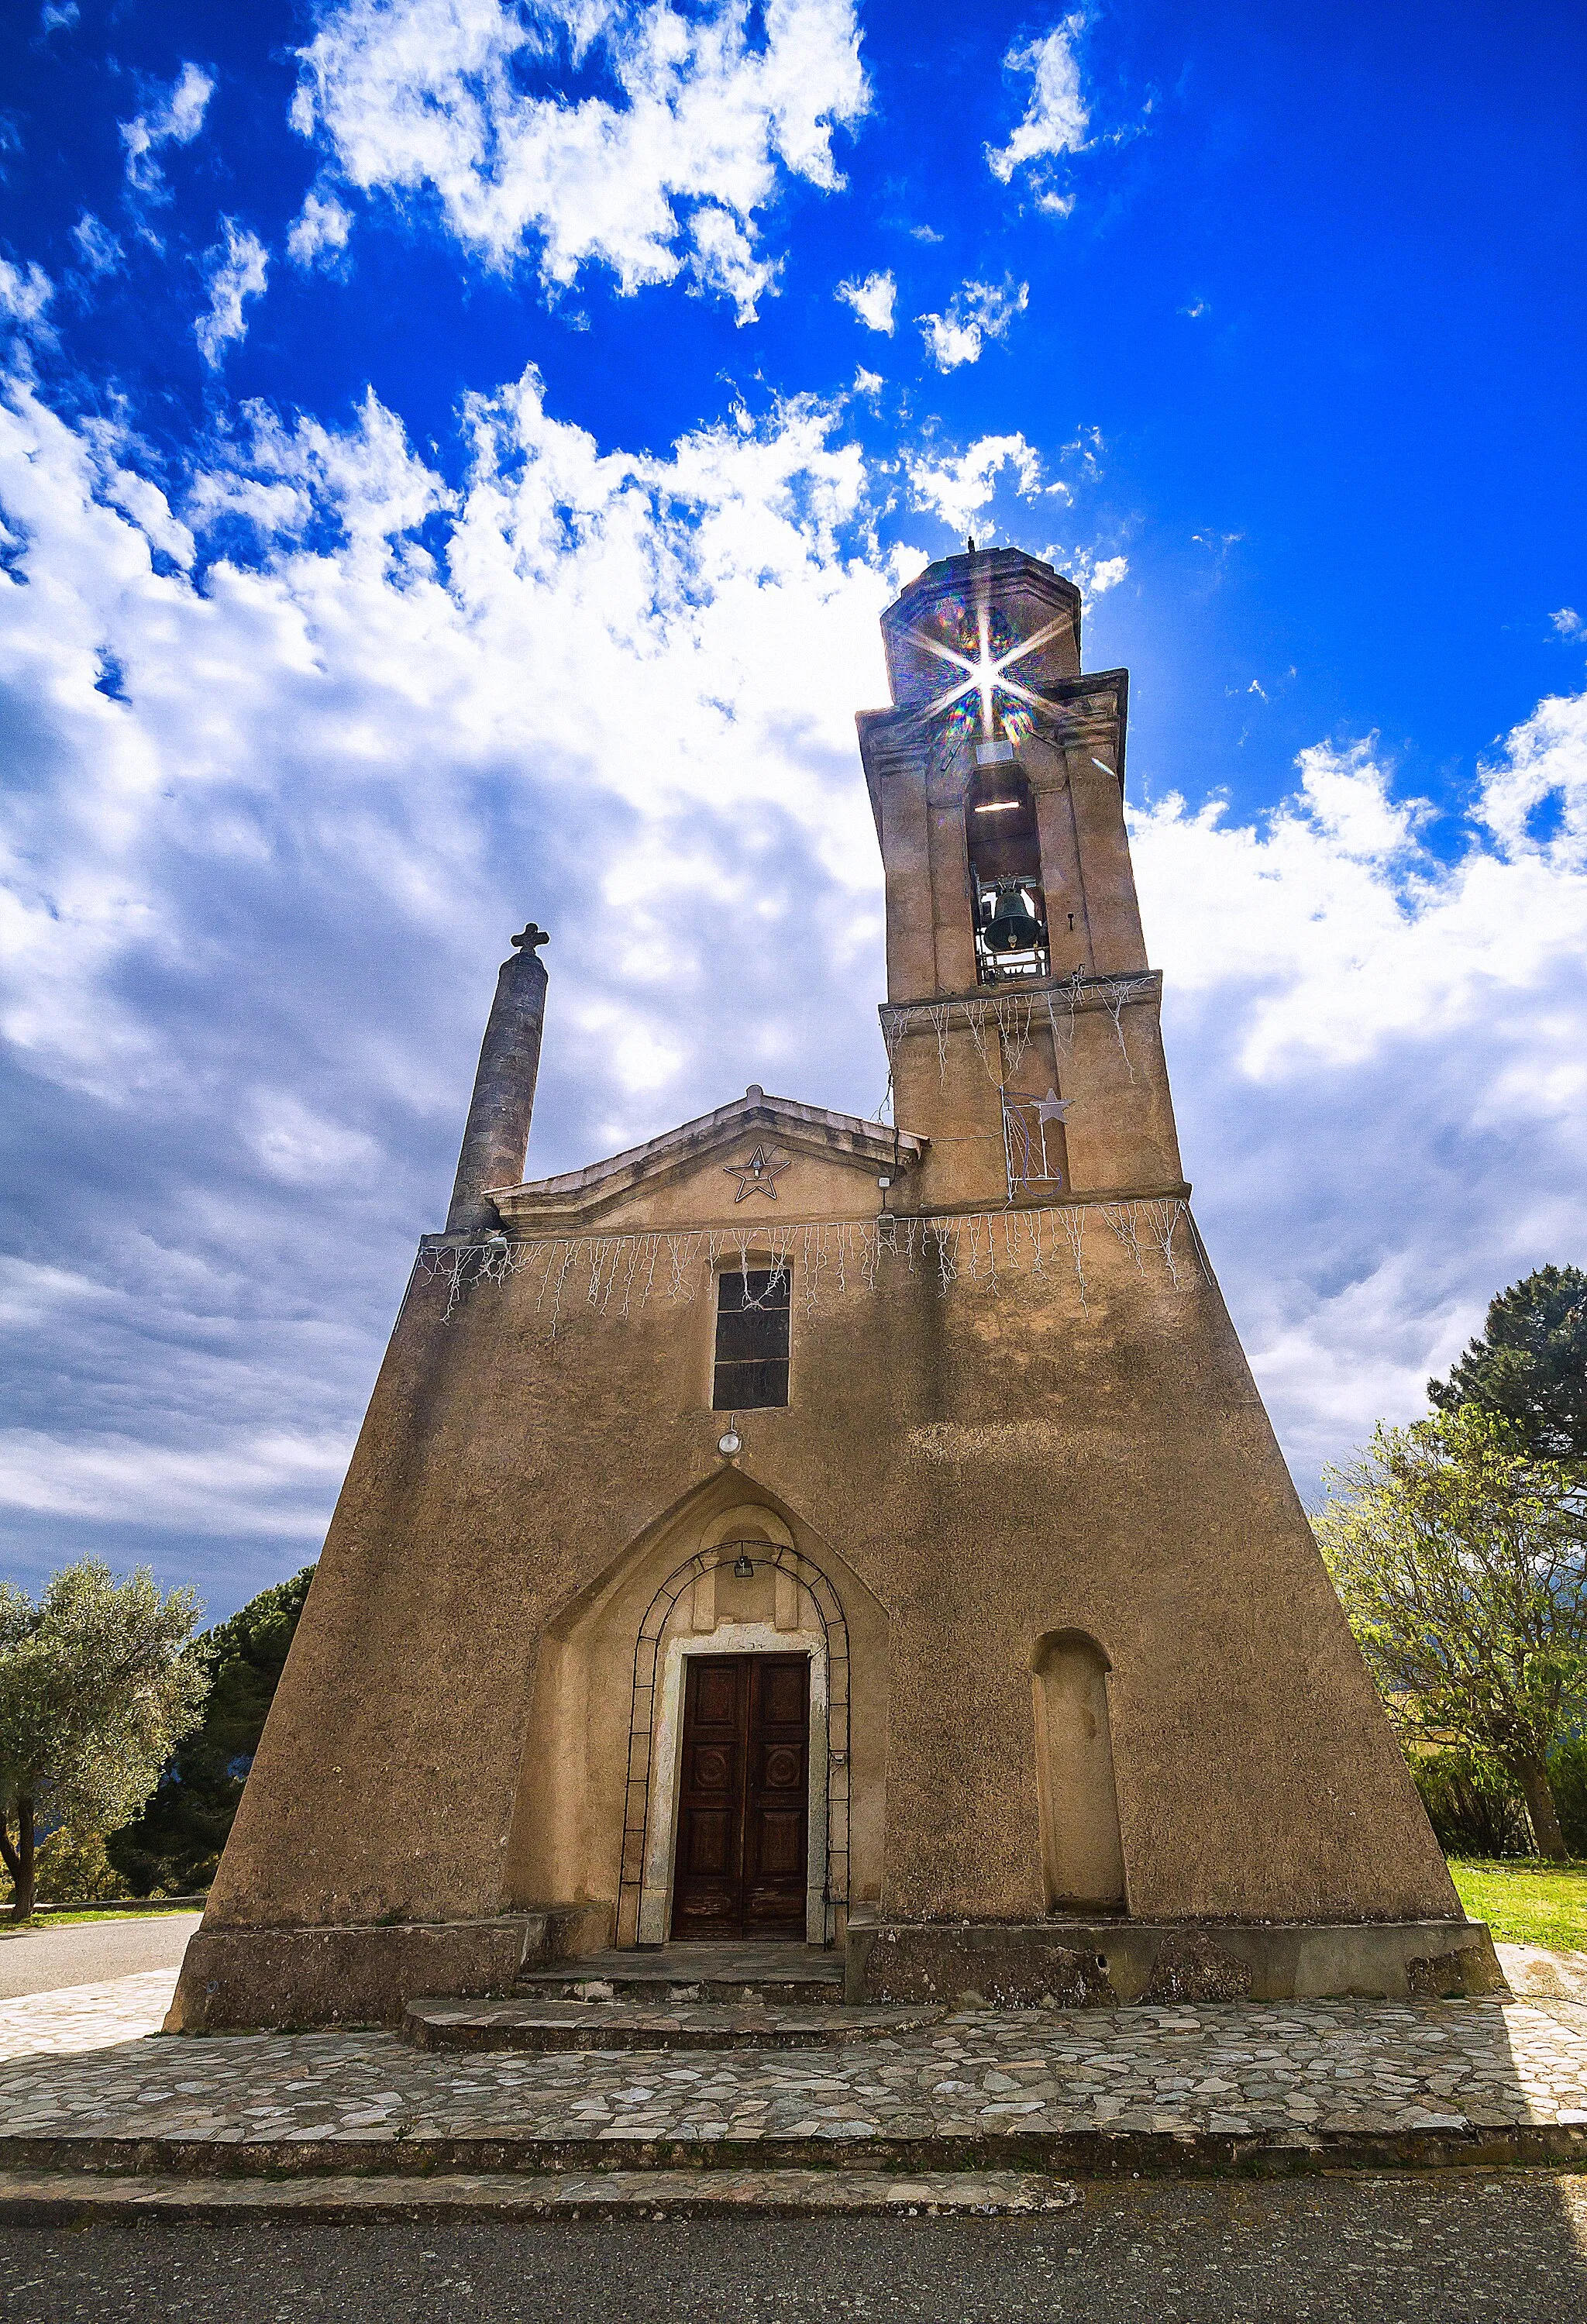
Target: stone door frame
{"type": "Point", "coordinates": [655, 1907]}
{"type": "Point", "coordinates": [649, 1821]}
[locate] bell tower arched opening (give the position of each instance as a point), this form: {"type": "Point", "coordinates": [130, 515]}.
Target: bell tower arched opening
{"type": "Point", "coordinates": [1007, 896]}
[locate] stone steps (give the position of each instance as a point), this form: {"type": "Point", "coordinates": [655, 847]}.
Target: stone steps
{"type": "Point", "coordinates": [653, 2022]}
{"type": "Point", "coordinates": [69, 2198]}
{"type": "Point", "coordinates": [751, 1976]}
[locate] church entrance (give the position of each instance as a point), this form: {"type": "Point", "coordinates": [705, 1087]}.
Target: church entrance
{"type": "Point", "coordinates": [744, 1801]}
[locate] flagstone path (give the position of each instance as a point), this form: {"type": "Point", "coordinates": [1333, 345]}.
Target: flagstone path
{"type": "Point", "coordinates": [85, 2016]}
{"type": "Point", "coordinates": [1287, 2071]}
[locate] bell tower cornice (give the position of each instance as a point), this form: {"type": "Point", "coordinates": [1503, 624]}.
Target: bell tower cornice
{"type": "Point", "coordinates": [1090, 712]}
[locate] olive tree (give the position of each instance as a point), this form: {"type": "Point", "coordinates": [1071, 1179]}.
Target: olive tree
{"type": "Point", "coordinates": [97, 1681]}
{"type": "Point", "coordinates": [1461, 1560]}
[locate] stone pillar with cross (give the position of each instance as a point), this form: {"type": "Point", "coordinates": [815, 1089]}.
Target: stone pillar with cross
{"type": "Point", "coordinates": [495, 1139]}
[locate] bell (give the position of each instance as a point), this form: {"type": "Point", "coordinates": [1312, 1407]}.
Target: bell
{"type": "Point", "coordinates": [1013, 926]}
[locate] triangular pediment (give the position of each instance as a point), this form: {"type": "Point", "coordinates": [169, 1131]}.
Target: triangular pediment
{"type": "Point", "coordinates": [756, 1161]}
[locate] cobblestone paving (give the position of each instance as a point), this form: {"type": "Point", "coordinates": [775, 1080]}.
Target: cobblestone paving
{"type": "Point", "coordinates": [1280, 2068]}
{"type": "Point", "coordinates": [85, 2016]}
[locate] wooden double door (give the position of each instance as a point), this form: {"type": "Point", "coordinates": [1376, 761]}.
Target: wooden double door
{"type": "Point", "coordinates": [745, 1802]}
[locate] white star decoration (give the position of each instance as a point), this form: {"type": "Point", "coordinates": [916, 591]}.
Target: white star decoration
{"type": "Point", "coordinates": [758, 1175]}
{"type": "Point", "coordinates": [1053, 1108]}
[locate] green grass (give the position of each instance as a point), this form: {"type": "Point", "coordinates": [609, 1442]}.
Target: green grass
{"type": "Point", "coordinates": [65, 1920]}
{"type": "Point", "coordinates": [1528, 1903]}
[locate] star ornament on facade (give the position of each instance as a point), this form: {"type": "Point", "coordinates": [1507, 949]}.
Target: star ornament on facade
{"type": "Point", "coordinates": [758, 1175]}
{"type": "Point", "coordinates": [1053, 1108]}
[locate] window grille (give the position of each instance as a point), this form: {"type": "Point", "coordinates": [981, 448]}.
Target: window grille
{"type": "Point", "coordinates": [752, 1317]}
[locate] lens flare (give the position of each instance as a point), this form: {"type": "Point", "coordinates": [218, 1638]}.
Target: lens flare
{"type": "Point", "coordinates": [985, 703]}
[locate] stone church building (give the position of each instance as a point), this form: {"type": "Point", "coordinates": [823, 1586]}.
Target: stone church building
{"type": "Point", "coordinates": [800, 1530]}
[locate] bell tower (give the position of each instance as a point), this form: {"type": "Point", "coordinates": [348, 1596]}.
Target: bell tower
{"type": "Point", "coordinates": [1022, 1019]}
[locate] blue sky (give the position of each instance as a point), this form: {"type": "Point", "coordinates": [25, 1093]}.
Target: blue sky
{"type": "Point", "coordinates": [452, 460]}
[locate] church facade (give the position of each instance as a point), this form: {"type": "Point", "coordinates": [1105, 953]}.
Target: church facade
{"type": "Point", "coordinates": [799, 1529]}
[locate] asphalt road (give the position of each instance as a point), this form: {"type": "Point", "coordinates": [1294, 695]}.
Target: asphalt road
{"type": "Point", "coordinates": [1457, 2248]}
{"type": "Point", "coordinates": [40, 1958]}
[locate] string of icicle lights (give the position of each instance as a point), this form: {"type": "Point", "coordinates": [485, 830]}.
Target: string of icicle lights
{"type": "Point", "coordinates": [1014, 1016]}
{"type": "Point", "coordinates": [621, 1275]}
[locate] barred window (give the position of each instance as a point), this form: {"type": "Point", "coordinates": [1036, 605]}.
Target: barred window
{"type": "Point", "coordinates": [752, 1340]}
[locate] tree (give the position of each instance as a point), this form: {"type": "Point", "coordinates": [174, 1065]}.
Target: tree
{"type": "Point", "coordinates": [1462, 1563]}
{"type": "Point", "coordinates": [98, 1682]}
{"type": "Point", "coordinates": [1530, 1365]}
{"type": "Point", "coordinates": [175, 1842]}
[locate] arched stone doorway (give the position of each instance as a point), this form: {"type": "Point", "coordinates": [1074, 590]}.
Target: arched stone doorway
{"type": "Point", "coordinates": [595, 1814]}
{"type": "Point", "coordinates": [655, 1735]}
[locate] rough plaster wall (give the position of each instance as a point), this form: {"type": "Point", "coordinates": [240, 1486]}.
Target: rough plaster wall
{"type": "Point", "coordinates": [993, 1466]}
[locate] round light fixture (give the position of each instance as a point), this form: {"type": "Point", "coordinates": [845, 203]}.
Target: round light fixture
{"type": "Point", "coordinates": [730, 1442]}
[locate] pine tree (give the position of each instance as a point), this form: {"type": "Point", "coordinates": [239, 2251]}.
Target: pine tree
{"type": "Point", "coordinates": [1530, 1365]}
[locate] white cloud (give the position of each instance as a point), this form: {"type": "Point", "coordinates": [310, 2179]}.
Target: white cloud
{"type": "Point", "coordinates": [1568, 623]}
{"type": "Point", "coordinates": [958, 489]}
{"type": "Point", "coordinates": [141, 499]}
{"type": "Point", "coordinates": [1097, 575]}
{"type": "Point", "coordinates": [24, 297]}
{"type": "Point", "coordinates": [237, 269]}
{"type": "Point", "coordinates": [1056, 118]}
{"type": "Point", "coordinates": [1380, 1058]}
{"type": "Point", "coordinates": [251, 915]}
{"type": "Point", "coordinates": [175, 120]}
{"type": "Point", "coordinates": [319, 232]}
{"type": "Point", "coordinates": [871, 300]}
{"type": "Point", "coordinates": [979, 312]}
{"type": "Point", "coordinates": [668, 173]}
{"type": "Point", "coordinates": [97, 247]}
{"type": "Point", "coordinates": [1543, 768]}
{"type": "Point", "coordinates": [62, 19]}
{"type": "Point", "coordinates": [274, 1485]}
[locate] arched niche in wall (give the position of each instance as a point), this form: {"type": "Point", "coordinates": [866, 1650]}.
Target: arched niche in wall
{"type": "Point", "coordinates": [1083, 1854]}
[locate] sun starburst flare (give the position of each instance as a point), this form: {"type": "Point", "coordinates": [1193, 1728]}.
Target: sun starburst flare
{"type": "Point", "coordinates": [986, 671]}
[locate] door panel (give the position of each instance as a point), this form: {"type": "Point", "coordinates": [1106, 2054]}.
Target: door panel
{"type": "Point", "coordinates": [777, 1822]}
{"type": "Point", "coordinates": [744, 1807]}
{"type": "Point", "coordinates": [708, 1886]}
{"type": "Point", "coordinates": [716, 1692]}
